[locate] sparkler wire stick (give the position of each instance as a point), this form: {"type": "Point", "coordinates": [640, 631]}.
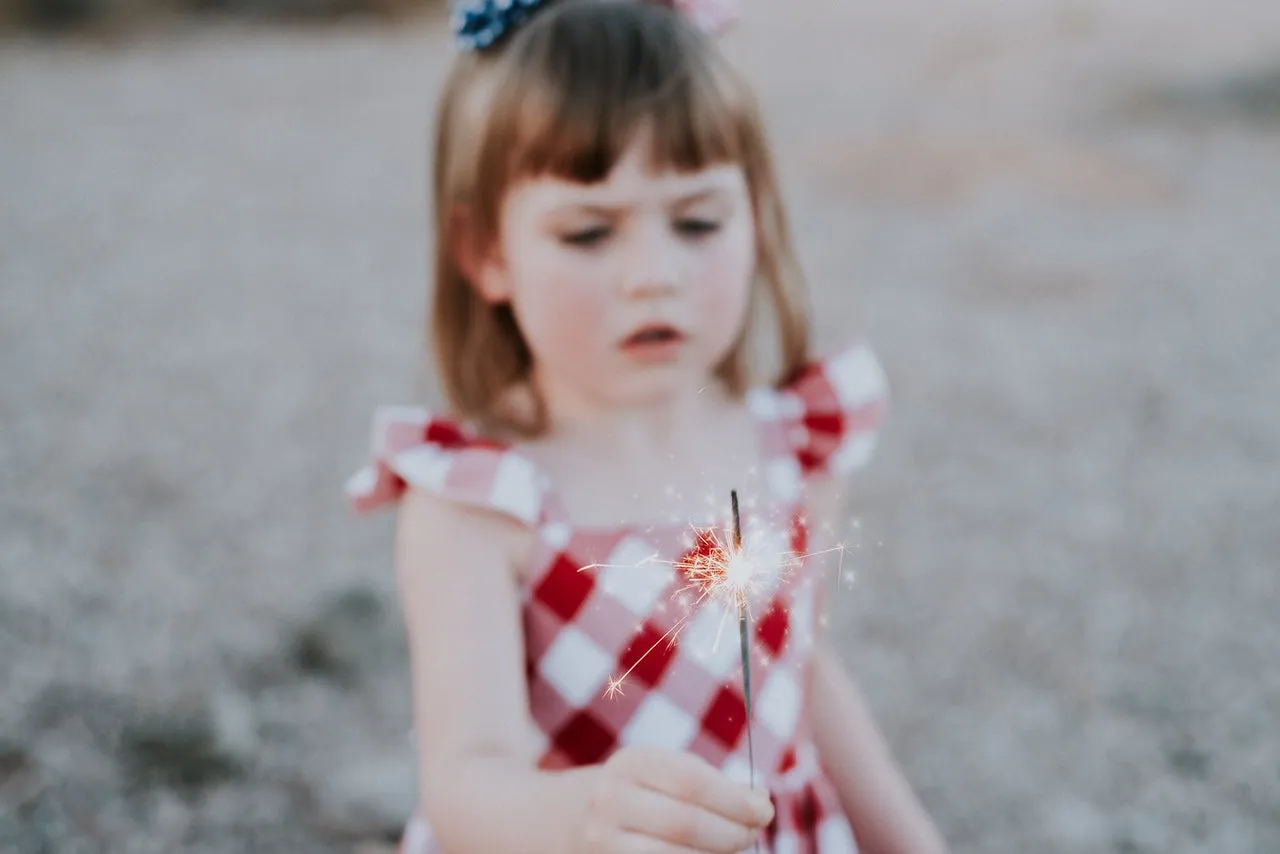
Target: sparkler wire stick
{"type": "Point", "coordinates": [744, 635]}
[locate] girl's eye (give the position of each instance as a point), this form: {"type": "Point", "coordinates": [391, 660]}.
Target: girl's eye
{"type": "Point", "coordinates": [587, 236]}
{"type": "Point", "coordinates": [695, 227]}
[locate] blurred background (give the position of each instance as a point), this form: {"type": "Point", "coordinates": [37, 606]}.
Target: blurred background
{"type": "Point", "coordinates": [1058, 221]}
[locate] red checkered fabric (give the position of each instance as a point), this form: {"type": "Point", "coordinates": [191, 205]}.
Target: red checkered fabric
{"type": "Point", "coordinates": [584, 629]}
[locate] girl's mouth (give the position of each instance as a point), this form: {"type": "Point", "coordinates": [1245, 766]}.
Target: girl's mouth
{"type": "Point", "coordinates": [655, 343]}
{"type": "Point", "coordinates": [654, 335]}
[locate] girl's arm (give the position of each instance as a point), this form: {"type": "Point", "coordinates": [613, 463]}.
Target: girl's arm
{"type": "Point", "coordinates": [479, 787]}
{"type": "Point", "coordinates": [886, 816]}
{"type": "Point", "coordinates": [878, 800]}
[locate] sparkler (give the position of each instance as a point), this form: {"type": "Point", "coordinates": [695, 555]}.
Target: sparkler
{"type": "Point", "coordinates": [730, 573]}
{"type": "Point", "coordinates": [744, 634]}
{"type": "Point", "coordinates": [729, 570]}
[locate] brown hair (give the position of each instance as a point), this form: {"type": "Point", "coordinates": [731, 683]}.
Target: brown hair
{"type": "Point", "coordinates": [565, 95]}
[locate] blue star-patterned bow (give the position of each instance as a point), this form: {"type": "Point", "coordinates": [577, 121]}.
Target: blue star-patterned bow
{"type": "Point", "coordinates": [477, 24]}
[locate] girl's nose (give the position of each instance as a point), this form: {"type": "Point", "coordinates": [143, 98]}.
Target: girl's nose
{"type": "Point", "coordinates": [653, 268]}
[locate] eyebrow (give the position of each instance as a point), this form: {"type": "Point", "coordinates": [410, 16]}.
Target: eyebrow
{"type": "Point", "coordinates": [680, 201]}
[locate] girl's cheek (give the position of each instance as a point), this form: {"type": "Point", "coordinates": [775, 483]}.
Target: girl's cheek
{"type": "Point", "coordinates": [729, 272]}
{"type": "Point", "coordinates": [570, 303]}
{"type": "Point", "coordinates": [578, 306]}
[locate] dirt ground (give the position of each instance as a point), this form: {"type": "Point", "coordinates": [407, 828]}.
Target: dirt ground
{"type": "Point", "coordinates": [1059, 222]}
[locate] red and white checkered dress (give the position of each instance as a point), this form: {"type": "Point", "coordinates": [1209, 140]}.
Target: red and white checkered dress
{"type": "Point", "coordinates": [583, 628]}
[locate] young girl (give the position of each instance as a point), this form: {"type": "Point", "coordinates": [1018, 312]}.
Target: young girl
{"type": "Point", "coordinates": [609, 234]}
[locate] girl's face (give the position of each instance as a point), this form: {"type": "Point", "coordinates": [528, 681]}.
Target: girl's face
{"type": "Point", "coordinates": [631, 291]}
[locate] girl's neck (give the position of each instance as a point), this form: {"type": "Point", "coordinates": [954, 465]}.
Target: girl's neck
{"type": "Point", "coordinates": [668, 463]}
{"type": "Point", "coordinates": [658, 427]}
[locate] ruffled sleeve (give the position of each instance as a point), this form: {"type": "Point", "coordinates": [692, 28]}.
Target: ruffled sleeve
{"type": "Point", "coordinates": [835, 409]}
{"type": "Point", "coordinates": [413, 448]}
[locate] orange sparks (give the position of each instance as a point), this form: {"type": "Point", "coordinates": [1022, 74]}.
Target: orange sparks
{"type": "Point", "coordinates": [715, 570]}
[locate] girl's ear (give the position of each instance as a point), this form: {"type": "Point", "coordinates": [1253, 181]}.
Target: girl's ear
{"type": "Point", "coordinates": [481, 264]}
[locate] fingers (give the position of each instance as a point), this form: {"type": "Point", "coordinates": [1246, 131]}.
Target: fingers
{"type": "Point", "coordinates": [684, 825]}
{"type": "Point", "coordinates": [692, 780]}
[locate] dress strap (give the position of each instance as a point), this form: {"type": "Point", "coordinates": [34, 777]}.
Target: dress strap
{"type": "Point", "coordinates": [833, 410]}
{"type": "Point", "coordinates": [412, 447]}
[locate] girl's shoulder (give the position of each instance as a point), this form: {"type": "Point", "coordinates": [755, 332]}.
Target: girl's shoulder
{"type": "Point", "coordinates": [830, 413]}
{"type": "Point", "coordinates": [414, 447]}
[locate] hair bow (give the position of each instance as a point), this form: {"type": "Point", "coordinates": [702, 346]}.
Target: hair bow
{"type": "Point", "coordinates": [478, 24]}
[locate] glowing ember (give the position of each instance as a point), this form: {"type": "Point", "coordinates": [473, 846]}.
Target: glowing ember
{"type": "Point", "coordinates": [723, 566]}
{"type": "Point", "coordinates": [739, 570]}
{"type": "Point", "coordinates": [734, 576]}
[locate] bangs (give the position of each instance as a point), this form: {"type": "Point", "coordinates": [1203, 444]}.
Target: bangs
{"type": "Point", "coordinates": [591, 76]}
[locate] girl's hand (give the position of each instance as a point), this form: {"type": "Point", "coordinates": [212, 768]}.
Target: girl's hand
{"type": "Point", "coordinates": [653, 801]}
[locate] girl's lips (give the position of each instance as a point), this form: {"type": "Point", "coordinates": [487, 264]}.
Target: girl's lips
{"type": "Point", "coordinates": [656, 343]}
{"type": "Point", "coordinates": [655, 334]}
